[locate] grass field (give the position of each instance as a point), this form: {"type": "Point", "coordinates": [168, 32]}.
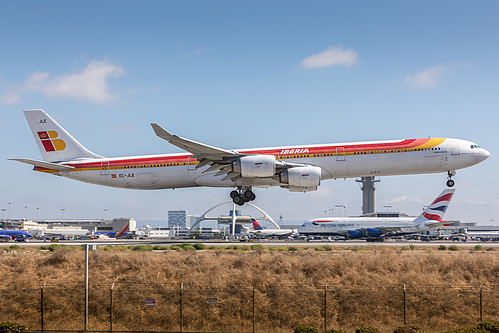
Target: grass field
{"type": "Point", "coordinates": [272, 288]}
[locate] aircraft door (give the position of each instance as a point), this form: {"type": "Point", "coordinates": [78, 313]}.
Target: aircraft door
{"type": "Point", "coordinates": [340, 154]}
{"type": "Point", "coordinates": [191, 164]}
{"type": "Point", "coordinates": [104, 168]}
{"type": "Point", "coordinates": [454, 148]}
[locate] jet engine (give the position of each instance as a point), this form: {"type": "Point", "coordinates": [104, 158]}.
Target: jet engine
{"type": "Point", "coordinates": [301, 179]}
{"type": "Point", "coordinates": [353, 234]}
{"type": "Point", "coordinates": [255, 166]}
{"type": "Point", "coordinates": [371, 232]}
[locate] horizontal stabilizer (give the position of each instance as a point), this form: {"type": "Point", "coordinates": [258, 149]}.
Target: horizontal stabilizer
{"type": "Point", "coordinates": [46, 165]}
{"type": "Point", "coordinates": [440, 223]}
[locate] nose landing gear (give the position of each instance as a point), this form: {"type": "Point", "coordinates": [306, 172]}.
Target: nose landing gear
{"type": "Point", "coordinates": [450, 174]}
{"type": "Point", "coordinates": [242, 195]}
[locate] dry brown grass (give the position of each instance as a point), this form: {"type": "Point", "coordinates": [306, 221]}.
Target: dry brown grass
{"type": "Point", "coordinates": [363, 288]}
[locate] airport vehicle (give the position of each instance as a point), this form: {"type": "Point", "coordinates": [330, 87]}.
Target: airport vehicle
{"type": "Point", "coordinates": [17, 235]}
{"type": "Point", "coordinates": [483, 236]}
{"type": "Point", "coordinates": [258, 230]}
{"type": "Point", "coordinates": [298, 168]}
{"type": "Point", "coordinates": [377, 228]}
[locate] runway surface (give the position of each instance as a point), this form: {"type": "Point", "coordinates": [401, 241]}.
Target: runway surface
{"type": "Point", "coordinates": [349, 243]}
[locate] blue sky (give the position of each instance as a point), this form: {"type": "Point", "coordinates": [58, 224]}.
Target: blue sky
{"type": "Point", "coordinates": [240, 74]}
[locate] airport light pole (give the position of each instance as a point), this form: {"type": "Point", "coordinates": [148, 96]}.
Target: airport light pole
{"type": "Point", "coordinates": [344, 209]}
{"type": "Point", "coordinates": [9, 210]}
{"type": "Point", "coordinates": [3, 213]}
{"type": "Point", "coordinates": [105, 211]}
{"type": "Point", "coordinates": [37, 213]}
{"type": "Point", "coordinates": [62, 212]}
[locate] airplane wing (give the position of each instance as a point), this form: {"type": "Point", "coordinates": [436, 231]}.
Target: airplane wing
{"type": "Point", "coordinates": [46, 165]}
{"type": "Point", "coordinates": [216, 158]}
{"type": "Point", "coordinates": [389, 230]}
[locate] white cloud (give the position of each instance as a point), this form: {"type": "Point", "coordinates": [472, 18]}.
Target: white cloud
{"type": "Point", "coordinates": [333, 56]}
{"type": "Point", "coordinates": [10, 98]}
{"type": "Point", "coordinates": [91, 84]}
{"type": "Point", "coordinates": [426, 79]}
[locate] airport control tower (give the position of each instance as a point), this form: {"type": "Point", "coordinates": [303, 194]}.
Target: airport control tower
{"type": "Point", "coordinates": [368, 195]}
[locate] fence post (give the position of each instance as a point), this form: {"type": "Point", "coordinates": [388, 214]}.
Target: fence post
{"type": "Point", "coordinates": [111, 308]}
{"type": "Point", "coordinates": [325, 307]}
{"type": "Point", "coordinates": [42, 308]}
{"type": "Point", "coordinates": [481, 302]}
{"type": "Point", "coordinates": [405, 306]}
{"type": "Point", "coordinates": [85, 246]}
{"type": "Point", "coordinates": [253, 308]}
{"type": "Point", "coordinates": [181, 307]}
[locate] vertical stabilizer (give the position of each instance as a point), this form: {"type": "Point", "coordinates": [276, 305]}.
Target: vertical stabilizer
{"type": "Point", "coordinates": [436, 211]}
{"type": "Point", "coordinates": [55, 144]}
{"type": "Point", "coordinates": [256, 225]}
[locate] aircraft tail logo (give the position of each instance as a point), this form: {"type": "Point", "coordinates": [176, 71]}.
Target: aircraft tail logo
{"type": "Point", "coordinates": [436, 211]}
{"type": "Point", "coordinates": [55, 144]}
{"type": "Point", "coordinates": [50, 141]}
{"type": "Point", "coordinates": [122, 231]}
{"type": "Point", "coordinates": [256, 225]}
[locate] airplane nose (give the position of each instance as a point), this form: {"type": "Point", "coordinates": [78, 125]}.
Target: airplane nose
{"type": "Point", "coordinates": [485, 154]}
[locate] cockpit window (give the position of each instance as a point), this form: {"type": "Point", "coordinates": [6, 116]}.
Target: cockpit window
{"type": "Point", "coordinates": [475, 146]}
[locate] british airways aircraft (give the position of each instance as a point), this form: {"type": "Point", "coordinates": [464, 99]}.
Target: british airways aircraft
{"type": "Point", "coordinates": [296, 168]}
{"type": "Point", "coordinates": [377, 228]}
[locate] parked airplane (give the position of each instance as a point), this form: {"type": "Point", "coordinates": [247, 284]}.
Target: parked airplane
{"type": "Point", "coordinates": [18, 235]}
{"type": "Point", "coordinates": [379, 227]}
{"type": "Point", "coordinates": [258, 230]}
{"type": "Point", "coordinates": [297, 168]}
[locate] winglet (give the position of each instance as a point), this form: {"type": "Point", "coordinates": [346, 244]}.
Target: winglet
{"type": "Point", "coordinates": [198, 149]}
{"type": "Point", "coordinates": [161, 132]}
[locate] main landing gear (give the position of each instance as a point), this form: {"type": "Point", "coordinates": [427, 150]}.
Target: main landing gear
{"type": "Point", "coordinates": [242, 195]}
{"type": "Point", "coordinates": [450, 174]}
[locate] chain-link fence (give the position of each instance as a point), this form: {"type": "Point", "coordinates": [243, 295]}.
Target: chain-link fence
{"type": "Point", "coordinates": [241, 308]}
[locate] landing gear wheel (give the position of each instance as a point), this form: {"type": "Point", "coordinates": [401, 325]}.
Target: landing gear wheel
{"type": "Point", "coordinates": [450, 174]}
{"type": "Point", "coordinates": [238, 200]}
{"type": "Point", "coordinates": [242, 195]}
{"type": "Point", "coordinates": [248, 194]}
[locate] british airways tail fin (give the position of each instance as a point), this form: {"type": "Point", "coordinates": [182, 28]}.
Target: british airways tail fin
{"type": "Point", "coordinates": [55, 144]}
{"type": "Point", "coordinates": [256, 225]}
{"type": "Point", "coordinates": [436, 211]}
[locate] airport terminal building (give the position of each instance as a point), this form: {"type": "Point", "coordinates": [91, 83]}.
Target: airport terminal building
{"type": "Point", "coordinates": [76, 227]}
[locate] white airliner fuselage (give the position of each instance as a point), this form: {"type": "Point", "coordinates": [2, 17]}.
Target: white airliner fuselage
{"type": "Point", "coordinates": [297, 168]}
{"type": "Point", "coordinates": [179, 170]}
{"type": "Point", "coordinates": [379, 227]}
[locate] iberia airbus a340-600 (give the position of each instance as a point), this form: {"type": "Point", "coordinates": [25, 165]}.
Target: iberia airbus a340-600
{"type": "Point", "coordinates": [297, 168]}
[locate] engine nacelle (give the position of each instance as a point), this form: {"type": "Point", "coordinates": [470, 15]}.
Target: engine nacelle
{"type": "Point", "coordinates": [353, 234]}
{"type": "Point", "coordinates": [371, 232]}
{"type": "Point", "coordinates": [301, 179]}
{"type": "Point", "coordinates": [258, 166]}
